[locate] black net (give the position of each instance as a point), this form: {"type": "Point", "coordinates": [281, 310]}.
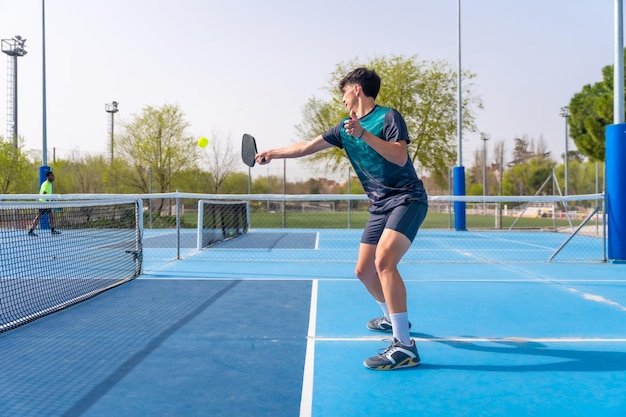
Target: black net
{"type": "Point", "coordinates": [53, 255]}
{"type": "Point", "coordinates": [221, 220]}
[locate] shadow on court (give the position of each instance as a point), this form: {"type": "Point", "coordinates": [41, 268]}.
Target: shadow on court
{"type": "Point", "coordinates": [564, 360]}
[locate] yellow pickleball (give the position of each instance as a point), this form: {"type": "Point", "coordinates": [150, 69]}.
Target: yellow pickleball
{"type": "Point", "coordinates": [203, 142]}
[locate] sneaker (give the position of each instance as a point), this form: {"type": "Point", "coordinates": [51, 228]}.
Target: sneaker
{"type": "Point", "coordinates": [55, 232]}
{"type": "Point", "coordinates": [32, 233]}
{"type": "Point", "coordinates": [396, 356]}
{"type": "Point", "coordinates": [381, 324]}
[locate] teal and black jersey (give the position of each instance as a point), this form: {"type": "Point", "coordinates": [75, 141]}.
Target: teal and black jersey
{"type": "Point", "coordinates": [386, 184]}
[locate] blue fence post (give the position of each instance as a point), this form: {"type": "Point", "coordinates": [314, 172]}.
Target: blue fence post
{"type": "Point", "coordinates": [616, 190]}
{"type": "Point", "coordinates": [459, 206]}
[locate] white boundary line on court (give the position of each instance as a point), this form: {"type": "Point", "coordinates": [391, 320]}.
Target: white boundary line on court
{"type": "Point", "coordinates": [478, 339]}
{"type": "Point", "coordinates": [306, 401]}
{"type": "Point", "coordinates": [169, 276]}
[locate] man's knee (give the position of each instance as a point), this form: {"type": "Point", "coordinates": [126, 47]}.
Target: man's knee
{"type": "Point", "coordinates": [364, 273]}
{"type": "Point", "coordinates": [385, 263]}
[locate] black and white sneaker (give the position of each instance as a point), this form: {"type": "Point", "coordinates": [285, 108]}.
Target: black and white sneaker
{"type": "Point", "coordinates": [381, 324]}
{"type": "Point", "coordinates": [55, 232]}
{"type": "Point", "coordinates": [32, 233]}
{"type": "Point", "coordinates": [396, 356]}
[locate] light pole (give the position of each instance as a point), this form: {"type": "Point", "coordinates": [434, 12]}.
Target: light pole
{"type": "Point", "coordinates": [484, 137]}
{"type": "Point", "coordinates": [44, 107]}
{"type": "Point", "coordinates": [111, 109]}
{"type": "Point", "coordinates": [13, 48]}
{"type": "Point", "coordinates": [565, 114]}
{"type": "Point", "coordinates": [460, 218]}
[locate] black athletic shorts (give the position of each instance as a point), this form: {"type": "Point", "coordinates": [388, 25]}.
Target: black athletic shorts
{"type": "Point", "coordinates": [406, 219]}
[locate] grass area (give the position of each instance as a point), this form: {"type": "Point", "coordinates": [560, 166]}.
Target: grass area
{"type": "Point", "coordinates": [332, 220]}
{"type": "Point", "coordinates": [357, 220]}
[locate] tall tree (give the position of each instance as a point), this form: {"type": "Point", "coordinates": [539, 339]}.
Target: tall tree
{"type": "Point", "coordinates": [521, 153]}
{"type": "Point", "coordinates": [424, 92]}
{"type": "Point", "coordinates": [220, 160]}
{"type": "Point", "coordinates": [498, 153]}
{"type": "Point", "coordinates": [156, 140]}
{"type": "Point", "coordinates": [591, 110]}
{"type": "Point", "coordinates": [15, 168]}
{"type": "Point", "coordinates": [474, 175]}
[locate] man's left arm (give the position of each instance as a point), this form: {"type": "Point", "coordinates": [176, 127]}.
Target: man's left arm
{"type": "Point", "coordinates": [394, 146]}
{"type": "Point", "coordinates": [395, 152]}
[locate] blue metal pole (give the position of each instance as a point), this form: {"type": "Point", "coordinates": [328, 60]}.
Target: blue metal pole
{"type": "Point", "coordinates": [615, 151]}
{"type": "Point", "coordinates": [459, 206]}
{"type": "Point", "coordinates": [616, 190]}
{"type": "Point", "coordinates": [44, 156]}
{"type": "Point", "coordinates": [459, 170]}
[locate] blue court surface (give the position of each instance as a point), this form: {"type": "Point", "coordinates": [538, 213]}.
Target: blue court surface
{"type": "Point", "coordinates": [263, 329]}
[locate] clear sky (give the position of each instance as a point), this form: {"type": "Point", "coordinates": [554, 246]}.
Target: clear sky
{"type": "Point", "coordinates": [236, 66]}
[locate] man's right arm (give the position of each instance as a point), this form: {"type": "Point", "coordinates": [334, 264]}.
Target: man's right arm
{"type": "Point", "coordinates": [296, 150]}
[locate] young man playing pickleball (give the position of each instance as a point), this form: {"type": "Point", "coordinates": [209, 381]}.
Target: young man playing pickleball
{"type": "Point", "coordinates": [375, 140]}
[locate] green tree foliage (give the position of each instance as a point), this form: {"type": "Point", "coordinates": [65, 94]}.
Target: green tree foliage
{"type": "Point", "coordinates": [193, 180]}
{"type": "Point", "coordinates": [272, 184]}
{"type": "Point", "coordinates": [156, 139]}
{"type": "Point", "coordinates": [235, 183]}
{"type": "Point", "coordinates": [527, 178]}
{"type": "Point", "coordinates": [81, 175]}
{"type": "Point", "coordinates": [424, 92]}
{"type": "Point", "coordinates": [591, 110]}
{"type": "Point", "coordinates": [16, 171]}
{"type": "Point", "coordinates": [474, 188]}
{"type": "Point", "coordinates": [115, 176]}
{"type": "Point", "coordinates": [582, 177]}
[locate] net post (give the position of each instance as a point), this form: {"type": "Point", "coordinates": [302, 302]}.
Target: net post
{"type": "Point", "coordinates": [177, 226]}
{"type": "Point", "coordinates": [200, 222]}
{"type": "Point", "coordinates": [247, 215]}
{"type": "Point", "coordinates": [139, 237]}
{"type": "Point", "coordinates": [616, 190]}
{"type": "Point", "coordinates": [139, 220]}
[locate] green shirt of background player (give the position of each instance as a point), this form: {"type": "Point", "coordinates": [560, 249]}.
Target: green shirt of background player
{"type": "Point", "coordinates": [46, 188]}
{"type": "Point", "coordinates": [375, 140]}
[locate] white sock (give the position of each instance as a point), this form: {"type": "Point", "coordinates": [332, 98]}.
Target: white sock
{"type": "Point", "coordinates": [400, 323]}
{"type": "Point", "coordinates": [383, 306]}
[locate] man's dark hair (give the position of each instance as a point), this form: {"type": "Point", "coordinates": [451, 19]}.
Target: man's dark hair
{"type": "Point", "coordinates": [366, 78]}
{"type": "Point", "coordinates": [49, 173]}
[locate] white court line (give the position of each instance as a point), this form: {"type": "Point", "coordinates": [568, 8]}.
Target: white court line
{"type": "Point", "coordinates": [596, 298]}
{"type": "Point", "coordinates": [585, 295]}
{"type": "Point", "coordinates": [533, 245]}
{"type": "Point", "coordinates": [155, 276]}
{"type": "Point", "coordinates": [306, 402]}
{"type": "Point", "coordinates": [478, 339]}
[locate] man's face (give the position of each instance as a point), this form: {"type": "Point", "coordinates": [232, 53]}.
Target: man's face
{"type": "Point", "coordinates": [350, 95]}
{"type": "Point", "coordinates": [51, 177]}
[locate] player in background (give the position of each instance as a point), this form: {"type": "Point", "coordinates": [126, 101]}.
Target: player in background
{"type": "Point", "coordinates": [46, 188]}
